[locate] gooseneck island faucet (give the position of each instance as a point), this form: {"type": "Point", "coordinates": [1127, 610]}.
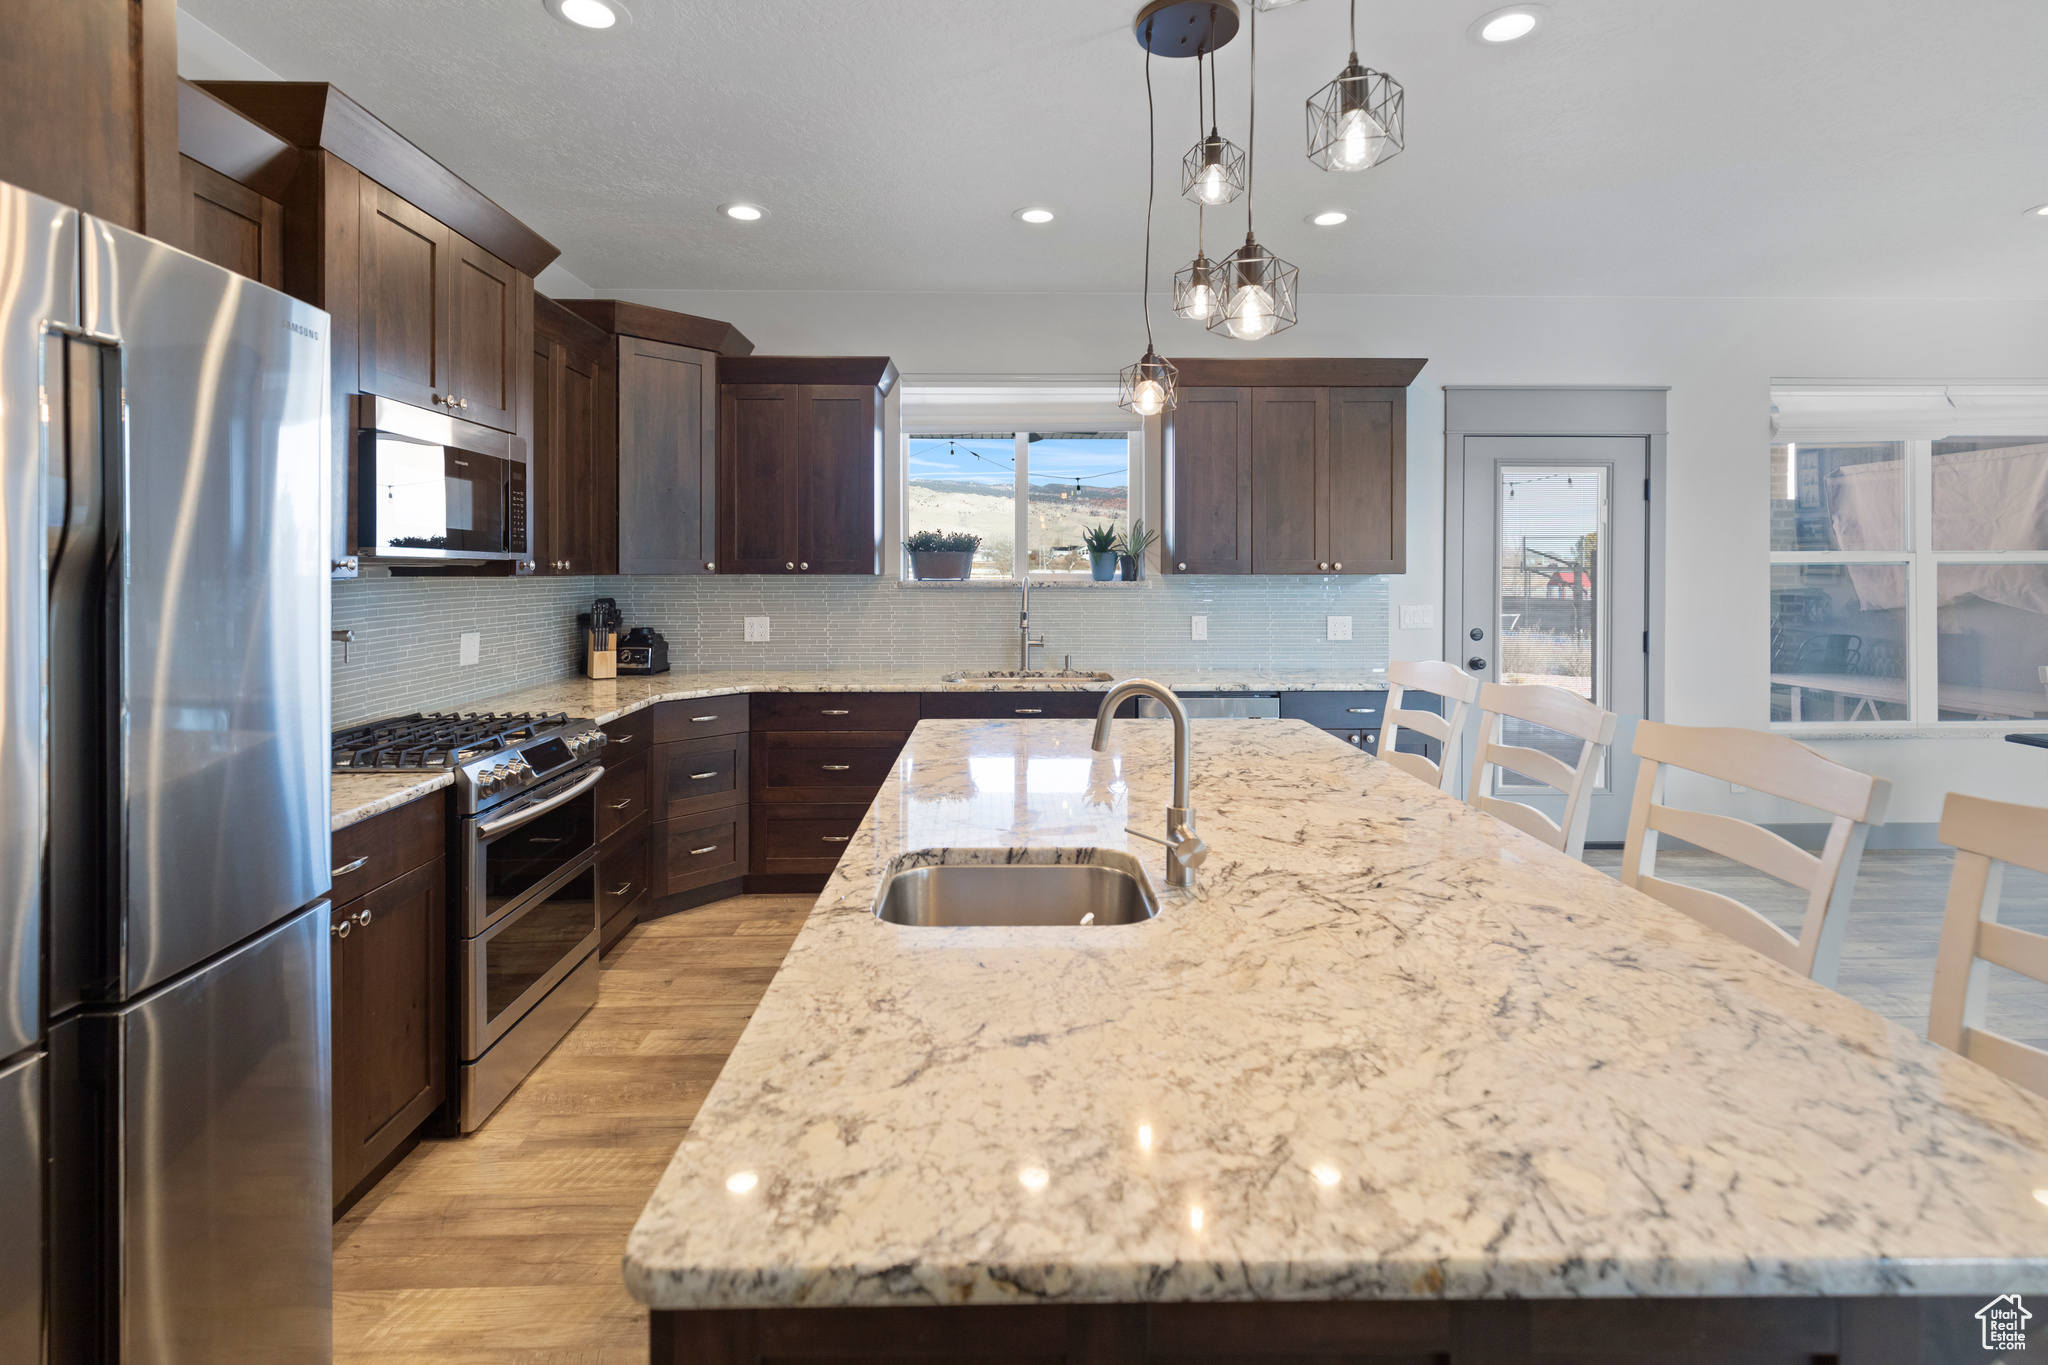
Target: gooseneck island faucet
{"type": "Point", "coordinates": [1025, 644]}
{"type": "Point", "coordinates": [1184, 852]}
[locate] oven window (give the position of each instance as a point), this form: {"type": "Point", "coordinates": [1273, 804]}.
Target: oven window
{"type": "Point", "coordinates": [535, 941]}
{"type": "Point", "coordinates": [517, 862]}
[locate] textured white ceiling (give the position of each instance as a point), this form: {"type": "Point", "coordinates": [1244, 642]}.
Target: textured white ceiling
{"type": "Point", "coordinates": [1676, 147]}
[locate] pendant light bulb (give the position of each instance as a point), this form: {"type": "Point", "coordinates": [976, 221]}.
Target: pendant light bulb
{"type": "Point", "coordinates": [1251, 316]}
{"type": "Point", "coordinates": [1148, 399]}
{"type": "Point", "coordinates": [1194, 290]}
{"type": "Point", "coordinates": [1201, 302]}
{"type": "Point", "coordinates": [1360, 141]}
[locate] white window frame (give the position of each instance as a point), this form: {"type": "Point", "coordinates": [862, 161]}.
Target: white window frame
{"type": "Point", "coordinates": [1020, 526]}
{"type": "Point", "coordinates": [1922, 562]}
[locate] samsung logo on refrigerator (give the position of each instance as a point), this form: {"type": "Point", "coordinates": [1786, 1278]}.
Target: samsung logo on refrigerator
{"type": "Point", "coordinates": [307, 332]}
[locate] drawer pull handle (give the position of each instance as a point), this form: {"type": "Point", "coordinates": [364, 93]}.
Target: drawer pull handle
{"type": "Point", "coordinates": [700, 852]}
{"type": "Point", "coordinates": [622, 888]}
{"type": "Point", "coordinates": [836, 838]}
{"type": "Point", "coordinates": [1030, 710]}
{"type": "Point", "coordinates": [699, 777]}
{"type": "Point", "coordinates": [838, 767]}
{"type": "Point", "coordinates": [840, 712]}
{"type": "Point", "coordinates": [621, 805]}
{"type": "Point", "coordinates": [1361, 710]}
{"type": "Point", "coordinates": [622, 739]}
{"type": "Point", "coordinates": [699, 720]}
{"type": "Point", "coordinates": [347, 868]}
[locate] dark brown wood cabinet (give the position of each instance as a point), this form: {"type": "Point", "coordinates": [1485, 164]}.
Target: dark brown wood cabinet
{"type": "Point", "coordinates": [1288, 467]}
{"type": "Point", "coordinates": [668, 458]}
{"type": "Point", "coordinates": [389, 988]}
{"type": "Point", "coordinates": [232, 225]}
{"type": "Point", "coordinates": [800, 464]}
{"type": "Point", "coordinates": [576, 514]}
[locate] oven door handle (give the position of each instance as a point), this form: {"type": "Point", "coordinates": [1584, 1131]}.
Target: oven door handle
{"type": "Point", "coordinates": [490, 828]}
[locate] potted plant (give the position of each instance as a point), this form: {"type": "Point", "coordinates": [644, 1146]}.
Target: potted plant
{"type": "Point", "coordinates": [1101, 543]}
{"type": "Point", "coordinates": [941, 554]}
{"type": "Point", "coordinates": [1132, 547]}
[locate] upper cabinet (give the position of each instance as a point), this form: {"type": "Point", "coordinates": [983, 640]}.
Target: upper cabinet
{"type": "Point", "coordinates": [656, 491]}
{"type": "Point", "coordinates": [234, 175]}
{"type": "Point", "coordinates": [800, 463]}
{"type": "Point", "coordinates": [576, 528]}
{"type": "Point", "coordinates": [1287, 467]}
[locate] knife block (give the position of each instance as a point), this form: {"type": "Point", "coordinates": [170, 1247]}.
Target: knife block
{"type": "Point", "coordinates": [600, 654]}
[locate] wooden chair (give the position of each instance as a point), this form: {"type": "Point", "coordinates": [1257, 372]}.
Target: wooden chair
{"type": "Point", "coordinates": [1986, 835]}
{"type": "Point", "coordinates": [1779, 766]}
{"type": "Point", "coordinates": [1554, 709]}
{"type": "Point", "coordinates": [1458, 689]}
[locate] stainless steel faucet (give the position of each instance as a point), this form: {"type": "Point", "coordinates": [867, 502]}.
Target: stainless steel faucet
{"type": "Point", "coordinates": [1025, 644]}
{"type": "Point", "coordinates": [1184, 852]}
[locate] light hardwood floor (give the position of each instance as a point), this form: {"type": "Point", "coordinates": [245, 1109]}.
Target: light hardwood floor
{"type": "Point", "coordinates": [503, 1248]}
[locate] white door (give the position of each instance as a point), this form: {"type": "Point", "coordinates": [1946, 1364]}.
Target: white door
{"type": "Point", "coordinates": [1554, 579]}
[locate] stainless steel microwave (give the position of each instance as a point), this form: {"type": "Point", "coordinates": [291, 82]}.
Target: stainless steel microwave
{"type": "Point", "coordinates": [435, 489]}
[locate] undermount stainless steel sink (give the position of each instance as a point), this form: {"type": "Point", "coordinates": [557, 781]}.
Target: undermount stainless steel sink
{"type": "Point", "coordinates": [1030, 675]}
{"type": "Point", "coordinates": [1048, 888]}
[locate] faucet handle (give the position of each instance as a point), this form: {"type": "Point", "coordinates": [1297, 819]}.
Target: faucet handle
{"type": "Point", "coordinates": [1188, 851]}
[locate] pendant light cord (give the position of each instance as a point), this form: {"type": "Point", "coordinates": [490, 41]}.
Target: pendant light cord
{"type": "Point", "coordinates": [1151, 185]}
{"type": "Point", "coordinates": [1251, 150]}
{"type": "Point", "coordinates": [1354, 30]}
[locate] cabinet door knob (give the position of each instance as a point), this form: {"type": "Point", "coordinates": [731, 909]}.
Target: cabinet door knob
{"type": "Point", "coordinates": [700, 852]}
{"type": "Point", "coordinates": [788, 564]}
{"type": "Point", "coordinates": [804, 566]}
{"type": "Point", "coordinates": [1322, 566]}
{"type": "Point", "coordinates": [340, 928]}
{"type": "Point", "coordinates": [1180, 566]}
{"type": "Point", "coordinates": [463, 404]}
{"type": "Point", "coordinates": [362, 919]}
{"type": "Point", "coordinates": [349, 867]}
{"type": "Point", "coordinates": [709, 565]}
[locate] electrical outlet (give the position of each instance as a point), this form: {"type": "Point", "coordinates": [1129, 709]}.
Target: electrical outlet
{"type": "Point", "coordinates": [1200, 626]}
{"type": "Point", "coordinates": [1418, 618]}
{"type": "Point", "coordinates": [757, 630]}
{"type": "Point", "coordinates": [472, 648]}
{"type": "Point", "coordinates": [1340, 627]}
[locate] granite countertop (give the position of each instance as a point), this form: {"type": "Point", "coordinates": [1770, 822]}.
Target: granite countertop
{"type": "Point", "coordinates": [357, 798]}
{"type": "Point", "coordinates": [1388, 1048]}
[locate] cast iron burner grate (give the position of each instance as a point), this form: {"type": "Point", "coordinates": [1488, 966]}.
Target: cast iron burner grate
{"type": "Point", "coordinates": [419, 742]}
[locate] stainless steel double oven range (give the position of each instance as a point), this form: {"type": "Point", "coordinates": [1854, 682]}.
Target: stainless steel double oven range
{"type": "Point", "coordinates": [525, 921]}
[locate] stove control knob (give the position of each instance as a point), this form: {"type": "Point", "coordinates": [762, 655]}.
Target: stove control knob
{"type": "Point", "coordinates": [486, 780]}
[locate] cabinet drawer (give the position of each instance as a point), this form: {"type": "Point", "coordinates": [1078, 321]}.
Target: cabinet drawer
{"type": "Point", "coordinates": [803, 839]}
{"type": "Point", "coordinates": [389, 845]}
{"type": "Point", "coordinates": [679, 720]}
{"type": "Point", "coordinates": [822, 767]}
{"type": "Point", "coordinates": [622, 881]}
{"type": "Point", "coordinates": [622, 795]}
{"type": "Point", "coordinates": [627, 738]}
{"type": "Point", "coordinates": [1335, 710]}
{"type": "Point", "coordinates": [700, 775]}
{"type": "Point", "coordinates": [1011, 705]}
{"type": "Point", "coordinates": [693, 853]}
{"type": "Point", "coordinates": [835, 710]}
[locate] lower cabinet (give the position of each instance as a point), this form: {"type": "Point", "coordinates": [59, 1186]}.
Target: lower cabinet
{"type": "Point", "coordinates": [390, 1019]}
{"type": "Point", "coordinates": [803, 840]}
{"type": "Point", "coordinates": [700, 850]}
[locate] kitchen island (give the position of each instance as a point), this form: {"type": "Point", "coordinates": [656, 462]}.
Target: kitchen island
{"type": "Point", "coordinates": [1393, 1079]}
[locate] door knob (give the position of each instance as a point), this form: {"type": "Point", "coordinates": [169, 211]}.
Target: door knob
{"type": "Point", "coordinates": [1478, 634]}
{"type": "Point", "coordinates": [1476, 664]}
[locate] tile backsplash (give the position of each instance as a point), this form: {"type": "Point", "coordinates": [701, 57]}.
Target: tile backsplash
{"type": "Point", "coordinates": [408, 630]}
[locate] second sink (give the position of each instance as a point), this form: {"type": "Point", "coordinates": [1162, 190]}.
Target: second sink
{"type": "Point", "coordinates": [994, 886]}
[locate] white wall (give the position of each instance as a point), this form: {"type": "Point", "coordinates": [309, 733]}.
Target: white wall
{"type": "Point", "coordinates": [1717, 355]}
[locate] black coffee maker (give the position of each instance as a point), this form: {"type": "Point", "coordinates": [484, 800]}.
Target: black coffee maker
{"type": "Point", "coordinates": [642, 650]}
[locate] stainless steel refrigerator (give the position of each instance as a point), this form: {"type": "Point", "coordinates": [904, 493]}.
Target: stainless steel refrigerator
{"type": "Point", "coordinates": [164, 1111]}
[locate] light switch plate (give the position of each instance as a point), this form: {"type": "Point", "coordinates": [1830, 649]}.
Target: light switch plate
{"type": "Point", "coordinates": [472, 648]}
{"type": "Point", "coordinates": [1200, 625]}
{"type": "Point", "coordinates": [757, 630]}
{"type": "Point", "coordinates": [1421, 617]}
{"type": "Point", "coordinates": [1340, 627]}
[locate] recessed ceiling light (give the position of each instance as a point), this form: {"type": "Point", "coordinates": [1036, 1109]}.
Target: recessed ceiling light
{"type": "Point", "coordinates": [1033, 215]}
{"type": "Point", "coordinates": [597, 15]}
{"type": "Point", "coordinates": [745, 213]}
{"type": "Point", "coordinates": [1329, 218]}
{"type": "Point", "coordinates": [1506, 25]}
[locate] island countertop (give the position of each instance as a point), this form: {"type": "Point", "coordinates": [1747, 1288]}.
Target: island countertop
{"type": "Point", "coordinates": [1388, 1048]}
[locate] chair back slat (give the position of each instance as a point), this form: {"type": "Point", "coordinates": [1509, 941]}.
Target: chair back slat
{"type": "Point", "coordinates": [1429, 722]}
{"type": "Point", "coordinates": [1769, 763]}
{"type": "Point", "coordinates": [1527, 819]}
{"type": "Point", "coordinates": [1553, 708]}
{"type": "Point", "coordinates": [2016, 950]}
{"type": "Point", "coordinates": [1728, 916]}
{"type": "Point", "coordinates": [1454, 685]}
{"type": "Point", "coordinates": [1986, 835]}
{"type": "Point", "coordinates": [1740, 840]}
{"type": "Point", "coordinates": [1533, 764]}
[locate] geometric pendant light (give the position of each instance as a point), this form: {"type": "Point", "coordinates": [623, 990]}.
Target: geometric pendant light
{"type": "Point", "coordinates": [1147, 388]}
{"type": "Point", "coordinates": [1212, 173]}
{"type": "Point", "coordinates": [1356, 121]}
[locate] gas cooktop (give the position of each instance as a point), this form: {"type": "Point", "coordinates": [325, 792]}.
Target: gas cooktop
{"type": "Point", "coordinates": [421, 742]}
